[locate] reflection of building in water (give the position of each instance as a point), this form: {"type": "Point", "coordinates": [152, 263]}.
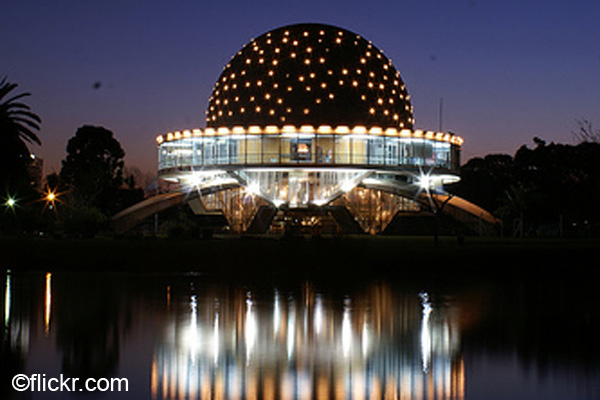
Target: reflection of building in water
{"type": "Point", "coordinates": [373, 346]}
{"type": "Point", "coordinates": [18, 326]}
{"type": "Point", "coordinates": [16, 330]}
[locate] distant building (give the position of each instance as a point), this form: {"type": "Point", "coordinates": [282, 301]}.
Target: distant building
{"type": "Point", "coordinates": [35, 168]}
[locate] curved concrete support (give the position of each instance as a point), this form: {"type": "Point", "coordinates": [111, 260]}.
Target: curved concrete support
{"type": "Point", "coordinates": [131, 216]}
{"type": "Point", "coordinates": [471, 215]}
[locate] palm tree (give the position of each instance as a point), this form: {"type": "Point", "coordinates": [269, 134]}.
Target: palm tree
{"type": "Point", "coordinates": [17, 124]}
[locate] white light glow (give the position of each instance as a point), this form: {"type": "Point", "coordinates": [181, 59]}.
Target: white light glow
{"type": "Point", "coordinates": [251, 328]}
{"type": "Point", "coordinates": [216, 341]}
{"type": "Point", "coordinates": [253, 188]}
{"type": "Point", "coordinates": [425, 331]}
{"type": "Point", "coordinates": [318, 318]}
{"type": "Point", "coordinates": [424, 181]}
{"type": "Point", "coordinates": [191, 335]}
{"type": "Point", "coordinates": [347, 186]}
{"type": "Point", "coordinates": [7, 297]}
{"type": "Point", "coordinates": [276, 314]}
{"type": "Point", "coordinates": [346, 330]}
{"type": "Point", "coordinates": [291, 330]}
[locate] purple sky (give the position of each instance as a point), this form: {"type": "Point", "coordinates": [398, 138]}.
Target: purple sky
{"type": "Point", "coordinates": [507, 70]}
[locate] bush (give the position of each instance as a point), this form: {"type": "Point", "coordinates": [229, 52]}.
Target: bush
{"type": "Point", "coordinates": [85, 222]}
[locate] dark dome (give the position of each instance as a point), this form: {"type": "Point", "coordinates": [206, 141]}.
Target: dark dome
{"type": "Point", "coordinates": [310, 74]}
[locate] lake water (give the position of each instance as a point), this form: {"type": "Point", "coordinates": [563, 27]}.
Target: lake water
{"type": "Point", "coordinates": [186, 336]}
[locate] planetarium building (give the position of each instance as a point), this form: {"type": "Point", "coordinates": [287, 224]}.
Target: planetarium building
{"type": "Point", "coordinates": [311, 125]}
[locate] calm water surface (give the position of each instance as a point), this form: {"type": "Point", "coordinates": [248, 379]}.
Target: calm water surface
{"type": "Point", "coordinates": [189, 337]}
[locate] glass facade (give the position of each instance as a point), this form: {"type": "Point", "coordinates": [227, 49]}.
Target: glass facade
{"type": "Point", "coordinates": [283, 148]}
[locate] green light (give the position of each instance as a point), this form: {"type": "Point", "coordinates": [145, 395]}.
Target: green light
{"type": "Point", "coordinates": [11, 202]}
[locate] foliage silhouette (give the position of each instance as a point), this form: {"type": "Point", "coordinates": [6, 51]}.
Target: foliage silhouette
{"type": "Point", "coordinates": [550, 189]}
{"type": "Point", "coordinates": [93, 168]}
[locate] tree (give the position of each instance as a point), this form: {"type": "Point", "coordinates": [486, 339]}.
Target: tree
{"type": "Point", "coordinates": [585, 132]}
{"type": "Point", "coordinates": [549, 189]}
{"type": "Point", "coordinates": [93, 168]}
{"type": "Point", "coordinates": [485, 180]}
{"type": "Point", "coordinates": [17, 126]}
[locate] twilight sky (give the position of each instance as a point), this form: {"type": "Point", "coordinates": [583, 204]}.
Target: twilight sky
{"type": "Point", "coordinates": [507, 70]}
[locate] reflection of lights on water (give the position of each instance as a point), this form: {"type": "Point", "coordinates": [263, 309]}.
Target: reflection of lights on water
{"type": "Point", "coordinates": [168, 297]}
{"type": "Point", "coordinates": [216, 342]}
{"type": "Point", "coordinates": [48, 303]}
{"type": "Point", "coordinates": [191, 335]}
{"type": "Point", "coordinates": [7, 295]}
{"type": "Point", "coordinates": [318, 318]}
{"type": "Point", "coordinates": [425, 331]}
{"type": "Point", "coordinates": [276, 314]}
{"type": "Point", "coordinates": [251, 327]}
{"type": "Point", "coordinates": [346, 329]}
{"type": "Point", "coordinates": [239, 350]}
{"type": "Point", "coordinates": [291, 329]}
{"type": "Point", "coordinates": [365, 339]}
